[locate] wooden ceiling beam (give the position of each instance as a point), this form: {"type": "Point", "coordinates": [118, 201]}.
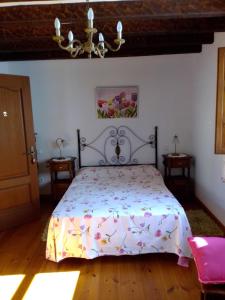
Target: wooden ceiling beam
{"type": "Point", "coordinates": [31, 55]}
{"type": "Point", "coordinates": [132, 40]}
{"type": "Point", "coordinates": [169, 39]}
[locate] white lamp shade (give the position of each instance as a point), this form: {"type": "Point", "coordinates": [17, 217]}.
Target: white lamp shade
{"type": "Point", "coordinates": [176, 139]}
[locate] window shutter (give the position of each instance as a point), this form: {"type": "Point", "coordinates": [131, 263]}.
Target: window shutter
{"type": "Point", "coordinates": [220, 105]}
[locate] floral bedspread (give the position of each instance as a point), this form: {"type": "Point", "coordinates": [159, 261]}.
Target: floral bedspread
{"type": "Point", "coordinates": [117, 211]}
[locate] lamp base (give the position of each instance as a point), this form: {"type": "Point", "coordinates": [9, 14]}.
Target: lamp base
{"type": "Point", "coordinates": [175, 154]}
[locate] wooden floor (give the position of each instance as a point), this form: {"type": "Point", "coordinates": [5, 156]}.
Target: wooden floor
{"type": "Point", "coordinates": [155, 276]}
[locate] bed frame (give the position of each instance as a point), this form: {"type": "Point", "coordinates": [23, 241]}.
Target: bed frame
{"type": "Point", "coordinates": [116, 137]}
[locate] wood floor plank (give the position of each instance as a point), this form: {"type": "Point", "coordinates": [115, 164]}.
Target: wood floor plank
{"type": "Point", "coordinates": [154, 276]}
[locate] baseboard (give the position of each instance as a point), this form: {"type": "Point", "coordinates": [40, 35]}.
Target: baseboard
{"type": "Point", "coordinates": [211, 214]}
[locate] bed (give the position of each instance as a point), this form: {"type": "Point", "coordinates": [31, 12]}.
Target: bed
{"type": "Point", "coordinates": [117, 210]}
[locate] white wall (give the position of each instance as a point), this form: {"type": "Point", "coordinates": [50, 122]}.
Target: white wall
{"type": "Point", "coordinates": [210, 167]}
{"type": "Point", "coordinates": [63, 98]}
{"type": "Point", "coordinates": [4, 68]}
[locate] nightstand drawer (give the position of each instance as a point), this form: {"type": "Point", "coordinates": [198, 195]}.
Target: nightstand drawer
{"type": "Point", "coordinates": [179, 163]}
{"type": "Point", "coordinates": [59, 167]}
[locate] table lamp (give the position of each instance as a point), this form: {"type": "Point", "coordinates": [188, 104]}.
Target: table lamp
{"type": "Point", "coordinates": [175, 142]}
{"type": "Point", "coordinates": [59, 143]}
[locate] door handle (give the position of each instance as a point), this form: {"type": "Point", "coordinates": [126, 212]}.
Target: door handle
{"type": "Point", "coordinates": [32, 152]}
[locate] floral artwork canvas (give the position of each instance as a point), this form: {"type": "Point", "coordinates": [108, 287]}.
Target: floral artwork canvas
{"type": "Point", "coordinates": [117, 102]}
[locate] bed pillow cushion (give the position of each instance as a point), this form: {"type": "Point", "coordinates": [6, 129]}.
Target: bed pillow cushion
{"type": "Point", "coordinates": [128, 172]}
{"type": "Point", "coordinates": [209, 256]}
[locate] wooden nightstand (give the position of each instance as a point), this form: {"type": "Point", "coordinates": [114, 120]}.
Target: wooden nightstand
{"type": "Point", "coordinates": [62, 173]}
{"type": "Point", "coordinates": [177, 175]}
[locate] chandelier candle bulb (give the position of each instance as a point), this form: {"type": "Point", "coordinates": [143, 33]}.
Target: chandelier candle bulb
{"type": "Point", "coordinates": [119, 30]}
{"type": "Point", "coordinates": [70, 36]}
{"type": "Point", "coordinates": [101, 40]}
{"type": "Point", "coordinates": [57, 27]}
{"type": "Point", "coordinates": [90, 17]}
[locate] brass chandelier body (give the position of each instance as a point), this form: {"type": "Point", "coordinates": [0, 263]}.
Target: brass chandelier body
{"type": "Point", "coordinates": [76, 47]}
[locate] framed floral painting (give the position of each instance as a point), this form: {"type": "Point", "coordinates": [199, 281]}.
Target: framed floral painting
{"type": "Point", "coordinates": [117, 102]}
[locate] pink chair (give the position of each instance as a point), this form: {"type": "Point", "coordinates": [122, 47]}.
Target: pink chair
{"type": "Point", "coordinates": [209, 256]}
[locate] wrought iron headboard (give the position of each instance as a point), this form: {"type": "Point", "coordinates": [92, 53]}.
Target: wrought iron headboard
{"type": "Point", "coordinates": [118, 137]}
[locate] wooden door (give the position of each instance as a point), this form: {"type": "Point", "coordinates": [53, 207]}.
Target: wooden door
{"type": "Point", "coordinates": [19, 193]}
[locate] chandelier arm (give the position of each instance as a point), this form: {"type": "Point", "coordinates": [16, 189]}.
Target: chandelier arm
{"type": "Point", "coordinates": [68, 47]}
{"type": "Point", "coordinates": [98, 52]}
{"type": "Point", "coordinates": [81, 50]}
{"type": "Point", "coordinates": [111, 48]}
{"type": "Point", "coordinates": [76, 51]}
{"type": "Point", "coordinates": [77, 42]}
{"type": "Point", "coordinates": [102, 50]}
{"type": "Point", "coordinates": [61, 46]}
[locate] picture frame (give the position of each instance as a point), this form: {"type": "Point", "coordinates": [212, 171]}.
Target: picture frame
{"type": "Point", "coordinates": [116, 102]}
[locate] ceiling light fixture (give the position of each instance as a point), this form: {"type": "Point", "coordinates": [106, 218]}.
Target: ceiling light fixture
{"type": "Point", "coordinates": [76, 47]}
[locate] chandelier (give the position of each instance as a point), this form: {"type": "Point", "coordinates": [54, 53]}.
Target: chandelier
{"type": "Point", "coordinates": [76, 47]}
